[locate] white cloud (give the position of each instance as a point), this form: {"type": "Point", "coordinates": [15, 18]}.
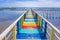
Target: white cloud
{"type": "Point", "coordinates": [40, 3]}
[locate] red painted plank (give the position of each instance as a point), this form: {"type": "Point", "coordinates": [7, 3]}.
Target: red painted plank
{"type": "Point", "coordinates": [30, 26]}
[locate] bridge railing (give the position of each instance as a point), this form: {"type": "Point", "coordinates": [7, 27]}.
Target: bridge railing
{"type": "Point", "coordinates": [51, 31]}
{"type": "Point", "coordinates": [10, 32]}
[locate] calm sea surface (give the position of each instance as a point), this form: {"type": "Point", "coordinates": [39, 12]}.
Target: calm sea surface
{"type": "Point", "coordinates": [7, 18]}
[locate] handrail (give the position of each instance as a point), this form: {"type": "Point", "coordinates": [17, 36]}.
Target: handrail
{"type": "Point", "coordinates": [4, 33]}
{"type": "Point", "coordinates": [50, 23]}
{"type": "Point", "coordinates": [54, 28]}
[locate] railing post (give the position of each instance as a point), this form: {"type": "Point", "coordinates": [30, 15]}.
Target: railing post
{"type": "Point", "coordinates": [45, 29]}
{"type": "Point", "coordinates": [27, 11]}
{"type": "Point", "coordinates": [52, 34]}
{"type": "Point", "coordinates": [18, 27]}
{"type": "Point", "coordinates": [38, 21]}
{"type": "Point", "coordinates": [22, 19]}
{"type": "Point", "coordinates": [24, 15]}
{"type": "Point", "coordinates": [14, 33]}
{"type": "Point", "coordinates": [36, 15]}
{"type": "Point", "coordinates": [41, 24]}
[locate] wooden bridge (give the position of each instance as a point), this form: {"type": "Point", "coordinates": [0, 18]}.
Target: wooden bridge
{"type": "Point", "coordinates": [31, 26]}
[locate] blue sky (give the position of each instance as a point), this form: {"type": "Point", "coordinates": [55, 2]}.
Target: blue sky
{"type": "Point", "coordinates": [29, 3]}
{"type": "Point", "coordinates": [25, 0]}
{"type": "Point", "coordinates": [15, 0]}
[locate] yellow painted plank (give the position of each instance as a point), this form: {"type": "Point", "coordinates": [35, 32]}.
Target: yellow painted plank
{"type": "Point", "coordinates": [30, 24]}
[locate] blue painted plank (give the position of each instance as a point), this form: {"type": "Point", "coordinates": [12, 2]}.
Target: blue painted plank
{"type": "Point", "coordinates": [30, 20]}
{"type": "Point", "coordinates": [30, 31]}
{"type": "Point", "coordinates": [35, 36]}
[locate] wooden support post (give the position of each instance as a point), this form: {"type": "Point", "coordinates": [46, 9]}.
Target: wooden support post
{"type": "Point", "coordinates": [22, 19]}
{"type": "Point", "coordinates": [52, 34]}
{"type": "Point", "coordinates": [20, 24]}
{"type": "Point", "coordinates": [18, 27]}
{"type": "Point", "coordinates": [45, 29]}
{"type": "Point", "coordinates": [27, 12]}
{"type": "Point", "coordinates": [38, 21]}
{"type": "Point", "coordinates": [41, 24]}
{"type": "Point", "coordinates": [36, 16]}
{"type": "Point", "coordinates": [14, 33]}
{"type": "Point", "coordinates": [34, 13]}
{"type": "Point", "coordinates": [24, 15]}
{"type": "Point", "coordinates": [4, 38]}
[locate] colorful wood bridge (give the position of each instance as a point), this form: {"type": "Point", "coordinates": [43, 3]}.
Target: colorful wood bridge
{"type": "Point", "coordinates": [31, 26]}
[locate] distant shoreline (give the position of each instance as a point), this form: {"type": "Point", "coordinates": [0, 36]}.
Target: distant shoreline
{"type": "Point", "coordinates": [26, 8]}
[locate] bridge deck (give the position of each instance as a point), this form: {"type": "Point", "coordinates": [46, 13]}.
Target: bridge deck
{"type": "Point", "coordinates": [30, 28]}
